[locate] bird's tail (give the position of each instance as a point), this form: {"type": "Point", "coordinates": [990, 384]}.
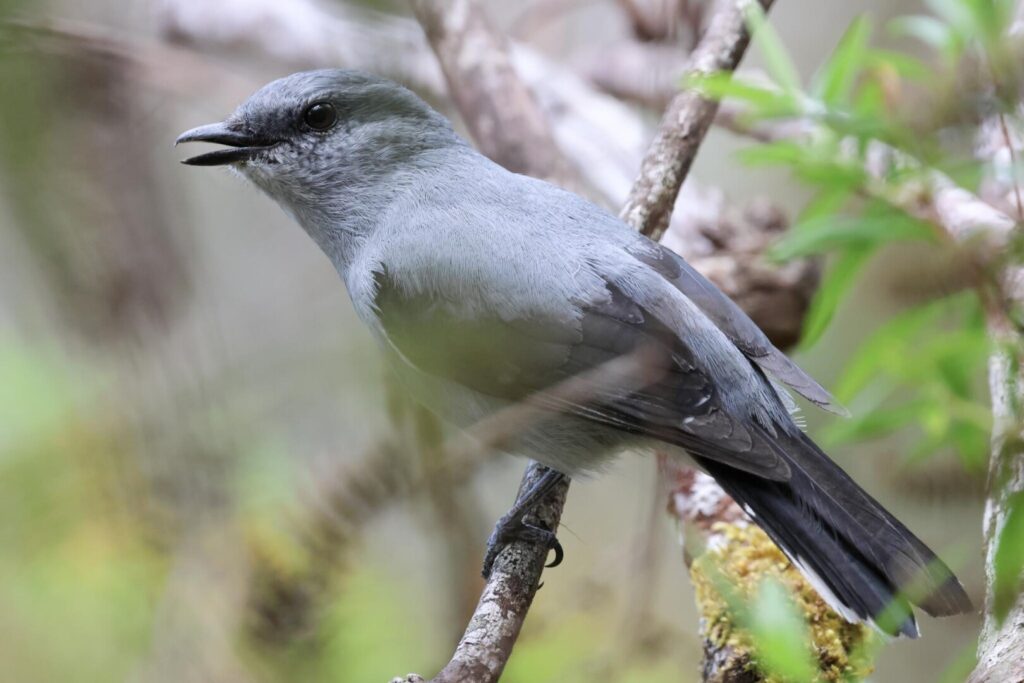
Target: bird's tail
{"type": "Point", "coordinates": [860, 559]}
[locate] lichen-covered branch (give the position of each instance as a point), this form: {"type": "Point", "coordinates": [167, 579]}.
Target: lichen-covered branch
{"type": "Point", "coordinates": [1001, 644]}
{"type": "Point", "coordinates": [686, 121]}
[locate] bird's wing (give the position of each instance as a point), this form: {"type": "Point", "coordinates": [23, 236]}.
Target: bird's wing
{"type": "Point", "coordinates": [730, 318]}
{"type": "Point", "coordinates": [527, 356]}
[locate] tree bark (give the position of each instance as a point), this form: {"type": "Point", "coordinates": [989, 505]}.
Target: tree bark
{"type": "Point", "coordinates": [487, 644]}
{"type": "Point", "coordinates": [686, 121]}
{"type": "Point", "coordinates": [1001, 644]}
{"type": "Point", "coordinates": [501, 112]}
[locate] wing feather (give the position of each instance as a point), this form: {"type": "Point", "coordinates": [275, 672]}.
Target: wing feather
{"type": "Point", "coordinates": [737, 325]}
{"type": "Point", "coordinates": [528, 355]}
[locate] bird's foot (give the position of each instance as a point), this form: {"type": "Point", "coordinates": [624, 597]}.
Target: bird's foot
{"type": "Point", "coordinates": [511, 528]}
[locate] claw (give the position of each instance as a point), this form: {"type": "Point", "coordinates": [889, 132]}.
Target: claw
{"type": "Point", "coordinates": [559, 553]}
{"type": "Point", "coordinates": [508, 530]}
{"type": "Point", "coordinates": [511, 526]}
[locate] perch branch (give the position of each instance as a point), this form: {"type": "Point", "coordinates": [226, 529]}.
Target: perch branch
{"type": "Point", "coordinates": [492, 631]}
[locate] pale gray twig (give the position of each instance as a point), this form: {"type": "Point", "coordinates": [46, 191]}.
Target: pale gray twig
{"type": "Point", "coordinates": [686, 121]}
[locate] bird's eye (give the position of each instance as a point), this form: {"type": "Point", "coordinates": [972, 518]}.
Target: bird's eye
{"type": "Point", "coordinates": [320, 115]}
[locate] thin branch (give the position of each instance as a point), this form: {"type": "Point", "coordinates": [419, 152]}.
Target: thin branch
{"type": "Point", "coordinates": [927, 194]}
{"type": "Point", "coordinates": [661, 20]}
{"type": "Point", "coordinates": [685, 123]}
{"type": "Point", "coordinates": [501, 112]}
{"type": "Point", "coordinates": [647, 74]}
{"type": "Point", "coordinates": [1012, 153]}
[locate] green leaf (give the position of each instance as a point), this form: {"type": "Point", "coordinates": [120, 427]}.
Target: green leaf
{"type": "Point", "coordinates": [1009, 558]}
{"type": "Point", "coordinates": [872, 424]}
{"type": "Point", "coordinates": [783, 152]}
{"type": "Point", "coordinates": [870, 100]}
{"type": "Point", "coordinates": [975, 20]}
{"type": "Point", "coordinates": [833, 286]}
{"type": "Point", "coordinates": [971, 443]}
{"type": "Point", "coordinates": [814, 163]}
{"type": "Point", "coordinates": [835, 81]}
{"type": "Point", "coordinates": [928, 30]}
{"type": "Point", "coordinates": [886, 344]}
{"type": "Point", "coordinates": [960, 668]}
{"type": "Point", "coordinates": [957, 14]}
{"type": "Point", "coordinates": [828, 202]}
{"type": "Point", "coordinates": [906, 66]}
{"type": "Point", "coordinates": [777, 60]}
{"type": "Point", "coordinates": [780, 634]}
{"type": "Point", "coordinates": [937, 423]}
{"type": "Point", "coordinates": [834, 233]}
{"type": "Point", "coordinates": [764, 101]}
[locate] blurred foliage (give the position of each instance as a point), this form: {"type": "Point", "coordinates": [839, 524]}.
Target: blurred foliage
{"type": "Point", "coordinates": [924, 368]}
{"type": "Point", "coordinates": [869, 134]}
{"type": "Point", "coordinates": [88, 587]}
{"type": "Point", "coordinates": [69, 569]}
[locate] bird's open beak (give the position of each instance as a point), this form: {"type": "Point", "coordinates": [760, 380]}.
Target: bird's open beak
{"type": "Point", "coordinates": [242, 145]}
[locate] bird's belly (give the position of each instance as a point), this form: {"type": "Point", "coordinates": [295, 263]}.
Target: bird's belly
{"type": "Point", "coordinates": [566, 443]}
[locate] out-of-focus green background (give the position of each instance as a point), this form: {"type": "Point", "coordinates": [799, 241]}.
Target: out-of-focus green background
{"type": "Point", "coordinates": [184, 389]}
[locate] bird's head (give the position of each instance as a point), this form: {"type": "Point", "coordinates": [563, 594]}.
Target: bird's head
{"type": "Point", "coordinates": [314, 139]}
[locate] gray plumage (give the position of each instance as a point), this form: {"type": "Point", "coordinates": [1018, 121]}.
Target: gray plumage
{"type": "Point", "coordinates": [487, 287]}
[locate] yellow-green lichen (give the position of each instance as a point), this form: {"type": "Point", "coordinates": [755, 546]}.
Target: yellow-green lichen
{"type": "Point", "coordinates": [745, 559]}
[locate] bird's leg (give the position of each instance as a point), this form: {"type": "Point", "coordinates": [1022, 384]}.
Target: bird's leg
{"type": "Point", "coordinates": [513, 527]}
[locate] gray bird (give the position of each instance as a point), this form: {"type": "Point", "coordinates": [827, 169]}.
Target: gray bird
{"type": "Point", "coordinates": [486, 287]}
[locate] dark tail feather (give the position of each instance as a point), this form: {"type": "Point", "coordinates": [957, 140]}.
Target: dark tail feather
{"type": "Point", "coordinates": [862, 560]}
